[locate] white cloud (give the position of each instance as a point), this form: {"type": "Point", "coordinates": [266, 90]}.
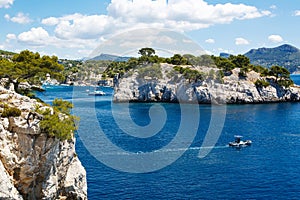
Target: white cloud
{"type": "Point", "coordinates": [163, 40]}
{"type": "Point", "coordinates": [273, 7]}
{"type": "Point", "coordinates": [6, 3]}
{"type": "Point", "coordinates": [210, 41]}
{"type": "Point", "coordinates": [241, 41]}
{"type": "Point", "coordinates": [7, 17]}
{"type": "Point", "coordinates": [35, 37]}
{"type": "Point", "coordinates": [221, 50]}
{"type": "Point", "coordinates": [51, 21]}
{"type": "Point", "coordinates": [275, 38]}
{"type": "Point", "coordinates": [86, 31]}
{"type": "Point", "coordinates": [84, 27]}
{"type": "Point", "coordinates": [182, 15]}
{"type": "Point", "coordinates": [207, 52]}
{"type": "Point", "coordinates": [297, 13]}
{"type": "Point", "coordinates": [81, 26]}
{"type": "Point", "coordinates": [39, 37]}
{"type": "Point", "coordinates": [20, 18]}
{"type": "Point", "coordinates": [10, 37]}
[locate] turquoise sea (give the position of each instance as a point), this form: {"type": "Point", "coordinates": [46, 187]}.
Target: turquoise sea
{"type": "Point", "coordinates": [269, 169]}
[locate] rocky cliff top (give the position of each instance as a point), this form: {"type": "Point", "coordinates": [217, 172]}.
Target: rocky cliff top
{"type": "Point", "coordinates": [171, 86]}
{"type": "Point", "coordinates": [34, 165]}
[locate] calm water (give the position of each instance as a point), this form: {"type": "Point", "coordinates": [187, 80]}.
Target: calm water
{"type": "Point", "coordinates": [268, 169]}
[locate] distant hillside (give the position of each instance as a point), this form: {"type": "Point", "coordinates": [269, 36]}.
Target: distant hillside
{"type": "Point", "coordinates": [285, 55]}
{"type": "Point", "coordinates": [110, 58]}
{"type": "Point", "coordinates": [225, 55]}
{"type": "Point", "coordinates": [2, 52]}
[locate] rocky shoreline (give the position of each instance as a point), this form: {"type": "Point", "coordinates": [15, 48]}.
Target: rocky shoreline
{"type": "Point", "coordinates": [34, 165]}
{"type": "Point", "coordinates": [176, 89]}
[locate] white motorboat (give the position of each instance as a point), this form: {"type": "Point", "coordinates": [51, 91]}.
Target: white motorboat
{"type": "Point", "coordinates": [239, 143]}
{"type": "Point", "coordinates": [97, 92]}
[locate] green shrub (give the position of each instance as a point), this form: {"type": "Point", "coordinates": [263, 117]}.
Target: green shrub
{"type": "Point", "coordinates": [190, 74]}
{"type": "Point", "coordinates": [60, 124]}
{"type": "Point", "coordinates": [62, 106]}
{"type": "Point", "coordinates": [262, 70]}
{"type": "Point", "coordinates": [10, 112]}
{"type": "Point", "coordinates": [262, 83]}
{"type": "Point", "coordinates": [60, 127]}
{"type": "Point", "coordinates": [242, 74]}
{"type": "Point", "coordinates": [285, 82]}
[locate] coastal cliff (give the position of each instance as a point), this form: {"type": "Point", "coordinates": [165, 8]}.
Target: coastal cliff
{"type": "Point", "coordinates": [171, 86]}
{"type": "Point", "coordinates": [34, 165]}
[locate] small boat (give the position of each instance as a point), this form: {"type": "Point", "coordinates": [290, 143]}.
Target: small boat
{"type": "Point", "coordinates": [239, 143]}
{"type": "Point", "coordinates": [97, 92]}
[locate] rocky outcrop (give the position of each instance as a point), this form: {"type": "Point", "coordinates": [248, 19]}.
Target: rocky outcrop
{"type": "Point", "coordinates": [173, 87]}
{"type": "Point", "coordinates": [34, 165]}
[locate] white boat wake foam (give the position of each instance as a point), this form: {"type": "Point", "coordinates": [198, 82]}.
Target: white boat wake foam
{"type": "Point", "coordinates": [166, 150]}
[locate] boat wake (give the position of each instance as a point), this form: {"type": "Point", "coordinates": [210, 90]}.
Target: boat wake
{"type": "Point", "coordinates": [165, 150]}
{"type": "Point", "coordinates": [292, 135]}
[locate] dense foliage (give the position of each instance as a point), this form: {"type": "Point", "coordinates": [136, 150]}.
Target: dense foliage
{"type": "Point", "coordinates": [148, 57]}
{"type": "Point", "coordinates": [88, 71]}
{"type": "Point", "coordinates": [6, 53]}
{"type": "Point", "coordinates": [178, 59]}
{"type": "Point", "coordinates": [202, 60]}
{"type": "Point", "coordinates": [30, 67]}
{"type": "Point", "coordinates": [60, 123]}
{"type": "Point", "coordinates": [228, 64]}
{"type": "Point", "coordinates": [190, 74]}
{"type": "Point", "coordinates": [281, 74]}
{"type": "Point", "coordinates": [10, 111]}
{"type": "Point", "coordinates": [261, 83]}
{"type": "Point", "coordinates": [223, 65]}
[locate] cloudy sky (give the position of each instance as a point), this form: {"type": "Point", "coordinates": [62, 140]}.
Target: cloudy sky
{"type": "Point", "coordinates": [75, 28]}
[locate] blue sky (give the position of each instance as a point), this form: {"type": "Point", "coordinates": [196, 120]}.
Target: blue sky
{"type": "Point", "coordinates": [75, 28]}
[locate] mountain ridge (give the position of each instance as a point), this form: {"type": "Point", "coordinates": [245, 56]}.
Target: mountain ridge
{"type": "Point", "coordinates": [110, 57]}
{"type": "Point", "coordinates": [285, 55]}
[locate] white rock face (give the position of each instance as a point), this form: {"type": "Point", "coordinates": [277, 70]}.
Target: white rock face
{"type": "Point", "coordinates": [175, 88]}
{"type": "Point", "coordinates": [7, 189]}
{"type": "Point", "coordinates": [32, 164]}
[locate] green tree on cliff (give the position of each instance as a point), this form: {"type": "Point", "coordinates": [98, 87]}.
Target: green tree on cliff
{"type": "Point", "coordinates": [147, 55]}
{"type": "Point", "coordinates": [279, 72]}
{"type": "Point", "coordinates": [282, 75]}
{"type": "Point", "coordinates": [59, 123]}
{"type": "Point", "coordinates": [30, 67]}
{"type": "Point", "coordinates": [178, 59]}
{"type": "Point", "coordinates": [147, 52]}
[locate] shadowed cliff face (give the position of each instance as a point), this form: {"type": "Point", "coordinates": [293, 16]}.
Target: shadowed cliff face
{"type": "Point", "coordinates": [175, 88]}
{"type": "Point", "coordinates": [32, 164]}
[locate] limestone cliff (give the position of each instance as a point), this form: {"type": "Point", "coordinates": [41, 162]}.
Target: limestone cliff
{"type": "Point", "coordinates": [34, 165]}
{"type": "Point", "coordinates": [173, 87]}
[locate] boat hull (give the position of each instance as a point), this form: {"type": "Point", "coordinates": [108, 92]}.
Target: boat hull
{"type": "Point", "coordinates": [240, 144]}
